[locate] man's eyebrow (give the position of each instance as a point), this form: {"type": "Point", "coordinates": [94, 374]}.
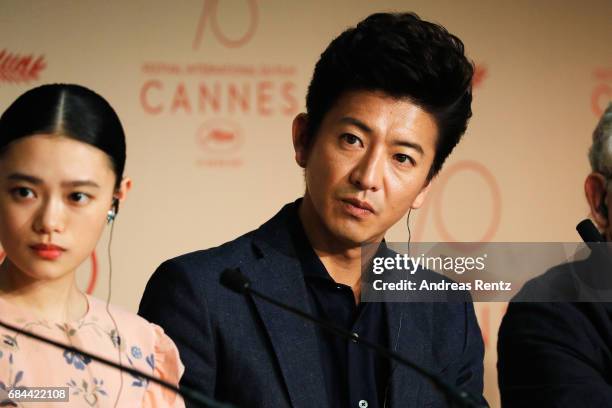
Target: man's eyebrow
{"type": "Point", "coordinates": [24, 177]}
{"type": "Point", "coordinates": [356, 122]}
{"type": "Point", "coordinates": [410, 145]}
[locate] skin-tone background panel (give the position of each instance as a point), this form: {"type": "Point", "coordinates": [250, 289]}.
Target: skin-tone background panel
{"type": "Point", "coordinates": [207, 91]}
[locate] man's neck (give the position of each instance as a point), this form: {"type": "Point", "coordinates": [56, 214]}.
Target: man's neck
{"type": "Point", "coordinates": [342, 260]}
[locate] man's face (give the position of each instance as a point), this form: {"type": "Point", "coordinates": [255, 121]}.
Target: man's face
{"type": "Point", "coordinates": [366, 167]}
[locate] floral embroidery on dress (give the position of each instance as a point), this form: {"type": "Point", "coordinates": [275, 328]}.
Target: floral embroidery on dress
{"type": "Point", "coordinates": [89, 393]}
{"type": "Point", "coordinates": [78, 360]}
{"type": "Point", "coordinates": [138, 380]}
{"type": "Point", "coordinates": [136, 352]}
{"type": "Point", "coordinates": [14, 383]}
{"type": "Point", "coordinates": [151, 361]}
{"type": "Point", "coordinates": [86, 380]}
{"type": "Point", "coordinates": [69, 331]}
{"type": "Point", "coordinates": [4, 400]}
{"type": "Point", "coordinates": [116, 339]}
{"type": "Point", "coordinates": [9, 342]}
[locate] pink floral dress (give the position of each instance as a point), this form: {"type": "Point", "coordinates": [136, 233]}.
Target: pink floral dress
{"type": "Point", "coordinates": [136, 343]}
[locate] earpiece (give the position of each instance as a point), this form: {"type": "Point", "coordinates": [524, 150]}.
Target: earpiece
{"type": "Point", "coordinates": [112, 213]}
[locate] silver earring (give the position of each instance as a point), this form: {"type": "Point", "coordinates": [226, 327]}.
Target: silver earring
{"type": "Point", "coordinates": [110, 216]}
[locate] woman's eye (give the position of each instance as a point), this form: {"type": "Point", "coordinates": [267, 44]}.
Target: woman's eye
{"type": "Point", "coordinates": [80, 198]}
{"type": "Point", "coordinates": [351, 139]}
{"type": "Point", "coordinates": [22, 192]}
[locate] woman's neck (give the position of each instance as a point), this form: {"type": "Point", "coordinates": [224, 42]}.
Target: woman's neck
{"type": "Point", "coordinates": [57, 300]}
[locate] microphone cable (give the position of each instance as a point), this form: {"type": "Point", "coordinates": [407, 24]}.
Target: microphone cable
{"type": "Point", "coordinates": [117, 336]}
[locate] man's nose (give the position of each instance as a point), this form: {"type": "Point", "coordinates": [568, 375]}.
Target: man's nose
{"type": "Point", "coordinates": [368, 172]}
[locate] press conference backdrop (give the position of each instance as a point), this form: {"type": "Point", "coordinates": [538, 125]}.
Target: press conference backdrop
{"type": "Point", "coordinates": [207, 90]}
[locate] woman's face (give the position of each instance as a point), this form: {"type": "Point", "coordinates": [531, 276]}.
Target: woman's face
{"type": "Point", "coordinates": [55, 193]}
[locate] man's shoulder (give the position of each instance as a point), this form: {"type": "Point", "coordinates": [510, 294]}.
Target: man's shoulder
{"type": "Point", "coordinates": [245, 249]}
{"type": "Point", "coordinates": [238, 249]}
{"type": "Point", "coordinates": [558, 284]}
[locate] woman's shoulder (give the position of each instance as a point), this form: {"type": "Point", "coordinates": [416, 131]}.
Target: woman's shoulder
{"type": "Point", "coordinates": [128, 323]}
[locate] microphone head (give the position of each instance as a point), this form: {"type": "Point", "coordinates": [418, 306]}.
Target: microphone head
{"type": "Point", "coordinates": [235, 280]}
{"type": "Point", "coordinates": [588, 232]}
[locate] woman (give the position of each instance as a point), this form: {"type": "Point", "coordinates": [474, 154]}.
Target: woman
{"type": "Point", "coordinates": [62, 156]}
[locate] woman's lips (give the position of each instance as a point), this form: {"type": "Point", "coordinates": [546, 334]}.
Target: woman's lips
{"type": "Point", "coordinates": [48, 251]}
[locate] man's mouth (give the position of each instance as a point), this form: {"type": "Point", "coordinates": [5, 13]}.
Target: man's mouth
{"type": "Point", "coordinates": [358, 208]}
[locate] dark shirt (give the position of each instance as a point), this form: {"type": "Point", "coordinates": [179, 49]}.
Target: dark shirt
{"type": "Point", "coordinates": [354, 375]}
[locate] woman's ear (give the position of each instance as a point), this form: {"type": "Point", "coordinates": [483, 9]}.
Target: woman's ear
{"type": "Point", "coordinates": [124, 187]}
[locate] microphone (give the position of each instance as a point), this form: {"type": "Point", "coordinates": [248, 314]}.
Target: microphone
{"type": "Point", "coordinates": [185, 392]}
{"type": "Point", "coordinates": [234, 279]}
{"type": "Point", "coordinates": [600, 251]}
{"type": "Point", "coordinates": [588, 232]}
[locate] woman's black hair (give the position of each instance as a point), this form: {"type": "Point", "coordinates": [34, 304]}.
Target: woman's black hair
{"type": "Point", "coordinates": [66, 110]}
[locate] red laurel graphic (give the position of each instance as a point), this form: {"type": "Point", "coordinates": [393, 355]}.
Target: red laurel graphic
{"type": "Point", "coordinates": [20, 68]}
{"type": "Point", "coordinates": [209, 12]}
{"type": "Point", "coordinates": [93, 277]}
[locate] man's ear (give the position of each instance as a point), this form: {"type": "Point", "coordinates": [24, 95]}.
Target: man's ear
{"type": "Point", "coordinates": [595, 191]}
{"type": "Point", "coordinates": [420, 198]}
{"type": "Point", "coordinates": [300, 139]}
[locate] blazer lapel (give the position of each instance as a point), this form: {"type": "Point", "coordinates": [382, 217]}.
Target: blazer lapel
{"type": "Point", "coordinates": [294, 340]}
{"type": "Point", "coordinates": [409, 326]}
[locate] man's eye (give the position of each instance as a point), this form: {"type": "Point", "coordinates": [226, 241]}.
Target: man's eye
{"type": "Point", "coordinates": [22, 192]}
{"type": "Point", "coordinates": [404, 158]}
{"type": "Point", "coordinates": [80, 198]}
{"type": "Point", "coordinates": [351, 139]}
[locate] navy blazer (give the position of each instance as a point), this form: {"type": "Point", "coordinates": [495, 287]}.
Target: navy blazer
{"type": "Point", "coordinates": [252, 354]}
{"type": "Point", "coordinates": [557, 353]}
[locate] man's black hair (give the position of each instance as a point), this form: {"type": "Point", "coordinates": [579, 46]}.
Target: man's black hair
{"type": "Point", "coordinates": [406, 58]}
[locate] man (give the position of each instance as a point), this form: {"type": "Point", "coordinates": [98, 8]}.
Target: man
{"type": "Point", "coordinates": [388, 101]}
{"type": "Point", "coordinates": [559, 354]}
